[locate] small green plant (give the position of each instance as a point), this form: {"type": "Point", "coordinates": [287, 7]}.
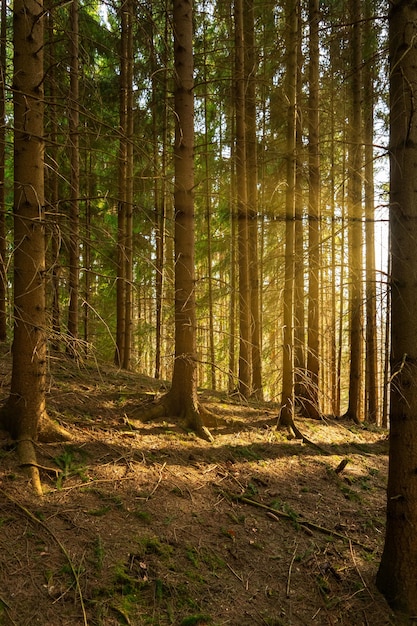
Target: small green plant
{"type": "Point", "coordinates": [152, 545]}
{"type": "Point", "coordinates": [197, 620]}
{"type": "Point", "coordinates": [192, 556]}
{"type": "Point", "coordinates": [70, 461]}
{"type": "Point", "coordinates": [144, 516]}
{"type": "Point", "coordinates": [100, 511]}
{"type": "Point", "coordinates": [99, 553]}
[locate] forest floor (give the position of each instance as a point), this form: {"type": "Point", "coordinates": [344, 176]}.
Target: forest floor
{"type": "Point", "coordinates": [152, 526]}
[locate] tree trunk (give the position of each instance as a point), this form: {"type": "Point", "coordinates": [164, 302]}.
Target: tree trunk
{"type": "Point", "coordinates": [208, 212]}
{"type": "Point", "coordinates": [396, 577]}
{"type": "Point", "coordinates": [181, 400]}
{"type": "Point", "coordinates": [287, 393]}
{"type": "Point", "coordinates": [24, 412]}
{"type": "Point", "coordinates": [244, 384]}
{"type": "Point", "coordinates": [3, 247]}
{"type": "Point", "coordinates": [355, 217]}
{"type": "Point", "coordinates": [159, 193]}
{"type": "Point", "coordinates": [119, 356]}
{"type": "Point", "coordinates": [74, 214]}
{"type": "Point", "coordinates": [252, 195]}
{"type": "Point", "coordinates": [371, 365]}
{"type": "Point", "coordinates": [311, 405]}
{"type": "Point", "coordinates": [299, 262]}
{"type": "Point", "coordinates": [128, 251]}
{"type": "Point", "coordinates": [52, 193]}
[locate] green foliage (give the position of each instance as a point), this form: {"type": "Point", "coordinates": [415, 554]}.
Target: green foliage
{"type": "Point", "coordinates": [71, 461]}
{"type": "Point", "coordinates": [196, 620]}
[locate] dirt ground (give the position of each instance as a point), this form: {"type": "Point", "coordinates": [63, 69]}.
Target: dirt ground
{"type": "Point", "coordinates": [152, 526]}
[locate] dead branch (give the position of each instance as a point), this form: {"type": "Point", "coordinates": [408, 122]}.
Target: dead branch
{"type": "Point", "coordinates": [300, 522]}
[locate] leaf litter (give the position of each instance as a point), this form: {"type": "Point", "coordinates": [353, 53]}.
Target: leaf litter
{"type": "Point", "coordinates": [152, 526]}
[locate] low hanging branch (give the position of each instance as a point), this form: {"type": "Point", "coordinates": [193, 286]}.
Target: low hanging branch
{"type": "Point", "coordinates": [295, 518]}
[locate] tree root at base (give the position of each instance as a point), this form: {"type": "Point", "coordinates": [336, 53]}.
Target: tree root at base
{"type": "Point", "coordinates": [27, 456]}
{"type": "Point", "coordinates": [193, 417]}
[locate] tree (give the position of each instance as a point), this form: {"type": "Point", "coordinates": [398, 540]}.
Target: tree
{"type": "Point", "coordinates": [311, 403]}
{"type": "Point", "coordinates": [74, 211]}
{"type": "Point", "coordinates": [181, 400]}
{"type": "Point", "coordinates": [396, 575]}
{"type": "Point", "coordinates": [3, 247]}
{"type": "Point", "coordinates": [286, 417]}
{"type": "Point", "coordinates": [250, 68]}
{"type": "Point", "coordinates": [125, 203]}
{"type": "Point", "coordinates": [371, 345]}
{"type": "Point", "coordinates": [245, 360]}
{"type": "Point", "coordinates": [355, 215]}
{"type": "Point", "coordinates": [24, 413]}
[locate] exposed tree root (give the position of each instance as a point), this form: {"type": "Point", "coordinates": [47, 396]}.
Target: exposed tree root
{"type": "Point", "coordinates": [194, 416]}
{"type": "Point", "coordinates": [51, 432]}
{"type": "Point", "coordinates": [286, 420]}
{"type": "Point", "coordinates": [27, 457]}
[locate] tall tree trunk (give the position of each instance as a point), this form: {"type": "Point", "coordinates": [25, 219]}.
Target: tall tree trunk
{"type": "Point", "coordinates": [233, 265]}
{"type": "Point", "coordinates": [396, 577]}
{"type": "Point", "coordinates": [25, 407]}
{"type": "Point", "coordinates": [121, 308]}
{"type": "Point", "coordinates": [287, 393]}
{"type": "Point", "coordinates": [371, 365]}
{"type": "Point", "coordinates": [251, 141]}
{"type": "Point", "coordinates": [159, 164]}
{"type": "Point", "coordinates": [299, 269]}
{"type": "Point", "coordinates": [87, 249]}
{"type": "Point", "coordinates": [311, 406]}
{"type": "Point", "coordinates": [242, 208]}
{"type": "Point", "coordinates": [355, 216]}
{"type": "Point", "coordinates": [181, 400]}
{"type": "Point", "coordinates": [74, 214]}
{"type": "Point", "coordinates": [3, 247]}
{"type": "Point", "coordinates": [208, 211]}
{"type": "Point", "coordinates": [128, 251]}
{"type": "Point", "coordinates": [52, 178]}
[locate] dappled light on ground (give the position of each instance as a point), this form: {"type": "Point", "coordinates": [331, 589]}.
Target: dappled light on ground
{"type": "Point", "coordinates": [145, 525]}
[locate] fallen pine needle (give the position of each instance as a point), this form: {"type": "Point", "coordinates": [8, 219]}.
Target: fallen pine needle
{"type": "Point", "coordinates": [297, 520]}
{"type": "Point", "coordinates": [33, 518]}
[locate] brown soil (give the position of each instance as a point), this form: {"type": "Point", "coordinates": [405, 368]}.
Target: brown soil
{"type": "Point", "coordinates": [142, 526]}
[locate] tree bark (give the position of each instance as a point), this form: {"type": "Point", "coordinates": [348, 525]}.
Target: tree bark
{"type": "Point", "coordinates": [74, 213]}
{"type": "Point", "coordinates": [245, 360]}
{"type": "Point", "coordinates": [181, 400]}
{"type": "Point", "coordinates": [24, 413]}
{"type": "Point", "coordinates": [286, 416]}
{"type": "Point", "coordinates": [311, 404]}
{"type": "Point", "coordinates": [250, 71]}
{"type": "Point", "coordinates": [3, 247]}
{"type": "Point", "coordinates": [371, 344]}
{"type": "Point", "coordinates": [128, 251]}
{"type": "Point", "coordinates": [396, 575]}
{"type": "Point", "coordinates": [355, 217]}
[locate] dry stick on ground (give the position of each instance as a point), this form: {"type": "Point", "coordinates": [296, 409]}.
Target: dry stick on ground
{"type": "Point", "coordinates": [297, 520]}
{"type": "Point", "coordinates": [304, 439]}
{"type": "Point", "coordinates": [33, 518]}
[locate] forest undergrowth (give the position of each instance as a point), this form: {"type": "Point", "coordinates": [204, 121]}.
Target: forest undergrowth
{"type": "Point", "coordinates": [144, 524]}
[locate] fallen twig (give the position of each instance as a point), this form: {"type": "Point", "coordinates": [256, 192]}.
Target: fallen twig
{"type": "Point", "coordinates": [289, 572]}
{"type": "Point", "coordinates": [298, 520]}
{"type": "Point", "coordinates": [158, 482]}
{"type": "Point", "coordinates": [33, 518]}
